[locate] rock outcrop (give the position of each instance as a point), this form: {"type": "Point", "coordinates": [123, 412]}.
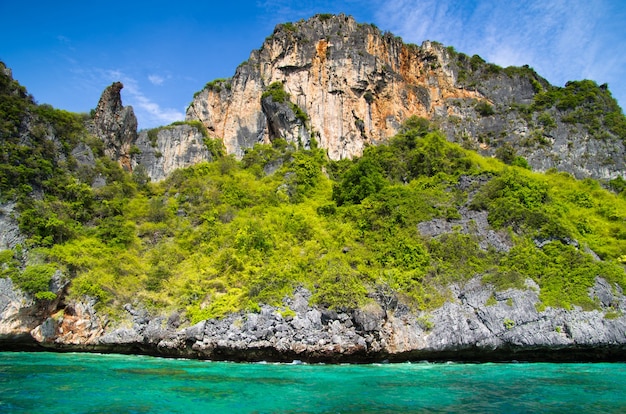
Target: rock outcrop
{"type": "Point", "coordinates": [24, 320]}
{"type": "Point", "coordinates": [16, 312]}
{"type": "Point", "coordinates": [116, 125]}
{"type": "Point", "coordinates": [155, 153]}
{"type": "Point", "coordinates": [10, 235]}
{"type": "Point", "coordinates": [477, 324]}
{"type": "Point", "coordinates": [164, 150]}
{"type": "Point", "coordinates": [282, 122]}
{"type": "Point", "coordinates": [356, 85]}
{"type": "Point", "coordinates": [76, 325]}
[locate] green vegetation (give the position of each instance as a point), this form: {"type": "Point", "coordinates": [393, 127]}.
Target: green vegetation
{"type": "Point", "coordinates": [474, 68]}
{"type": "Point", "coordinates": [471, 70]}
{"type": "Point", "coordinates": [36, 279]}
{"type": "Point", "coordinates": [618, 185]}
{"type": "Point", "coordinates": [508, 323]}
{"type": "Point", "coordinates": [217, 85]}
{"type": "Point", "coordinates": [579, 102]}
{"type": "Point", "coordinates": [484, 108]}
{"type": "Point", "coordinates": [546, 120]}
{"type": "Point", "coordinates": [9, 265]}
{"type": "Point", "coordinates": [583, 106]}
{"type": "Point", "coordinates": [224, 236]}
{"type": "Point", "coordinates": [369, 97]}
{"type": "Point", "coordinates": [325, 16]}
{"type": "Point", "coordinates": [289, 27]}
{"type": "Point", "coordinates": [584, 102]}
{"type": "Point", "coordinates": [31, 153]}
{"type": "Point", "coordinates": [277, 91]}
{"type": "Point", "coordinates": [507, 154]}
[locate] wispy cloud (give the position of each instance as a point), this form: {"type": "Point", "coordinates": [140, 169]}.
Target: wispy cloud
{"type": "Point", "coordinates": [149, 113]}
{"type": "Point", "coordinates": [562, 39]}
{"type": "Point", "coordinates": [64, 39]}
{"type": "Point", "coordinates": [156, 79]}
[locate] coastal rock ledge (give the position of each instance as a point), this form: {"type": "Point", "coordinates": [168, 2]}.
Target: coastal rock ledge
{"type": "Point", "coordinates": [477, 324]}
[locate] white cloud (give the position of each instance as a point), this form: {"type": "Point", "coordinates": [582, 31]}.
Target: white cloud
{"type": "Point", "coordinates": [64, 39]}
{"type": "Point", "coordinates": [66, 46]}
{"type": "Point", "coordinates": [156, 79]}
{"type": "Point", "coordinates": [149, 113]}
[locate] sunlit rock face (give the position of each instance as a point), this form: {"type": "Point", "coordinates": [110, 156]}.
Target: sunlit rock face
{"type": "Point", "coordinates": [170, 148]}
{"type": "Point", "coordinates": [115, 124]}
{"type": "Point", "coordinates": [357, 85]}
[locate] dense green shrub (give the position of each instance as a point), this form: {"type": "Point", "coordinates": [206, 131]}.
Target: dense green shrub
{"type": "Point", "coordinates": [324, 16]}
{"type": "Point", "coordinates": [517, 200]}
{"type": "Point", "coordinates": [618, 185]}
{"type": "Point", "coordinates": [457, 257]}
{"type": "Point", "coordinates": [276, 91]}
{"type": "Point", "coordinates": [584, 102]}
{"type": "Point", "coordinates": [217, 84]}
{"type": "Point", "coordinates": [484, 108]}
{"type": "Point", "coordinates": [546, 120]}
{"type": "Point", "coordinates": [363, 179]}
{"type": "Point", "coordinates": [304, 173]}
{"type": "Point", "coordinates": [507, 154]}
{"type": "Point", "coordinates": [9, 265]}
{"type": "Point", "coordinates": [289, 27]}
{"type": "Point", "coordinates": [153, 135]}
{"type": "Point", "coordinates": [340, 285]}
{"type": "Point", "coordinates": [35, 279]}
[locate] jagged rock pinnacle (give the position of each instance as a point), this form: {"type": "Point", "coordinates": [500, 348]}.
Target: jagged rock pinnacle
{"type": "Point", "coordinates": [115, 124]}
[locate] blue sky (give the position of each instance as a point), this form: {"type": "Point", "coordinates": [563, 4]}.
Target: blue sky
{"type": "Point", "coordinates": [67, 52]}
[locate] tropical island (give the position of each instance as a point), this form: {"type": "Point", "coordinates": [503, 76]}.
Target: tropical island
{"type": "Point", "coordinates": [343, 197]}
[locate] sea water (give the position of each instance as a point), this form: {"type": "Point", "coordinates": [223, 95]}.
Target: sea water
{"type": "Point", "coordinates": [94, 383]}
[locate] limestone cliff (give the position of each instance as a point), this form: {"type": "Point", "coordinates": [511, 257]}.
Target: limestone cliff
{"type": "Point", "coordinates": [10, 235]}
{"type": "Point", "coordinates": [356, 85]}
{"type": "Point", "coordinates": [161, 151]}
{"type": "Point", "coordinates": [156, 153]}
{"type": "Point", "coordinates": [115, 124]}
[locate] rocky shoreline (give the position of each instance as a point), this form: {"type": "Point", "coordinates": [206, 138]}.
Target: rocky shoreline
{"type": "Point", "coordinates": [469, 328]}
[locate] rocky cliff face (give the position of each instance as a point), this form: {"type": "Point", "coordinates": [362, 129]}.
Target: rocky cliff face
{"type": "Point", "coordinates": [357, 85]}
{"type": "Point", "coordinates": [157, 153]}
{"type": "Point", "coordinates": [162, 151]}
{"type": "Point", "coordinates": [477, 324]}
{"type": "Point", "coordinates": [115, 124]}
{"type": "Point", "coordinates": [10, 235]}
{"type": "Point", "coordinates": [348, 85]}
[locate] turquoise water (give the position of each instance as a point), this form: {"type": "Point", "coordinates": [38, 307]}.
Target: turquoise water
{"type": "Point", "coordinates": [93, 383]}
